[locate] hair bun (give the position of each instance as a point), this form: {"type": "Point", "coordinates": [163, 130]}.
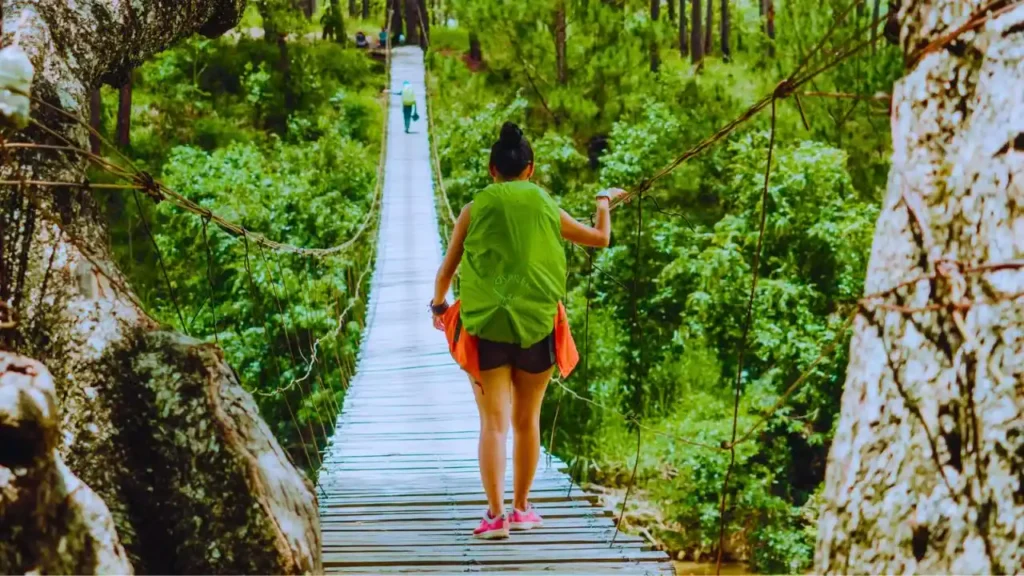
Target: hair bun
{"type": "Point", "coordinates": [511, 135]}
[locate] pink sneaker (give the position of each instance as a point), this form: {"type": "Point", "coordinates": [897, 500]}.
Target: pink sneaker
{"type": "Point", "coordinates": [492, 528]}
{"type": "Point", "coordinates": [525, 520]}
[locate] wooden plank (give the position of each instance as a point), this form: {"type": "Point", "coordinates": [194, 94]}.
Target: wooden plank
{"type": "Point", "coordinates": [503, 555]}
{"type": "Point", "coordinates": [530, 538]}
{"type": "Point", "coordinates": [537, 497]}
{"type": "Point", "coordinates": [450, 526]}
{"type": "Point", "coordinates": [587, 568]}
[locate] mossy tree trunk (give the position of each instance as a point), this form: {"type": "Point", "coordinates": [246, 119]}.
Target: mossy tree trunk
{"type": "Point", "coordinates": [926, 471]}
{"type": "Point", "coordinates": [155, 424]}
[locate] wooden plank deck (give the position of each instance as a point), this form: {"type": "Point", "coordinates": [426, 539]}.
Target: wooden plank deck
{"type": "Point", "coordinates": [402, 490]}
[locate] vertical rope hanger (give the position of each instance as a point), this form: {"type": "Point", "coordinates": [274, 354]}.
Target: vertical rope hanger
{"type": "Point", "coordinates": [743, 343]}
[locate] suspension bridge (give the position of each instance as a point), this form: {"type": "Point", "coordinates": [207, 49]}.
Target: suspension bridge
{"type": "Point", "coordinates": [401, 490]}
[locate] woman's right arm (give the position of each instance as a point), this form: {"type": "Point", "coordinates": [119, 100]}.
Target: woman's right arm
{"type": "Point", "coordinates": [598, 236]}
{"type": "Point", "coordinates": [450, 264]}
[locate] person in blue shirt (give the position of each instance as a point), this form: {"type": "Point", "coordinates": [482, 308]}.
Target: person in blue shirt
{"type": "Point", "coordinates": [409, 113]}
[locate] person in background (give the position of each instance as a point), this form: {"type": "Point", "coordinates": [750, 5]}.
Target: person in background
{"type": "Point", "coordinates": [509, 330]}
{"type": "Point", "coordinates": [329, 22]}
{"type": "Point", "coordinates": [382, 38]}
{"type": "Point", "coordinates": [409, 113]}
{"type": "Point", "coordinates": [361, 41]}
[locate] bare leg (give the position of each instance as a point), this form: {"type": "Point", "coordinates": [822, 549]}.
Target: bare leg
{"type": "Point", "coordinates": [527, 396]}
{"type": "Point", "coordinates": [493, 403]}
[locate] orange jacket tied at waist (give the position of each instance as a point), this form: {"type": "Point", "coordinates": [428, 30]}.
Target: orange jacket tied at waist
{"type": "Point", "coordinates": [464, 348]}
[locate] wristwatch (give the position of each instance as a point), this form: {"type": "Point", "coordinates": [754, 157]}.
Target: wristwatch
{"type": "Point", "coordinates": [440, 308]}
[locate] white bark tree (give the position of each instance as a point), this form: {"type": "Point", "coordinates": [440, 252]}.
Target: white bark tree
{"type": "Point", "coordinates": [926, 471]}
{"type": "Point", "coordinates": [155, 423]}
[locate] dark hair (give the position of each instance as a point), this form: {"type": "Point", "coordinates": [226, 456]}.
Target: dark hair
{"type": "Point", "coordinates": [512, 153]}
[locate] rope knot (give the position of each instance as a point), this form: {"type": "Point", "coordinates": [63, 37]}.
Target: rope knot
{"type": "Point", "coordinates": [149, 186]}
{"type": "Point", "coordinates": [784, 89]}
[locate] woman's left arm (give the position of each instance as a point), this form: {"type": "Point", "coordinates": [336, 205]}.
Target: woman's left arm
{"type": "Point", "coordinates": [451, 260]}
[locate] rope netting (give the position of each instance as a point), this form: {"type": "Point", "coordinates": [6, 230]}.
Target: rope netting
{"type": "Point", "coordinates": [308, 356]}
{"type": "Point", "coordinates": [815, 63]}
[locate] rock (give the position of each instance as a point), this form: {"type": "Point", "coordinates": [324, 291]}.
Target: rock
{"type": "Point", "coordinates": [195, 478]}
{"type": "Point", "coordinates": [50, 521]}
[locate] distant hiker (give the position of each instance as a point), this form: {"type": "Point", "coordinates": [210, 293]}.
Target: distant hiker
{"type": "Point", "coordinates": [328, 22]}
{"type": "Point", "coordinates": [361, 41]}
{"type": "Point", "coordinates": [408, 105]}
{"type": "Point", "coordinates": [382, 38]}
{"type": "Point", "coordinates": [509, 329]}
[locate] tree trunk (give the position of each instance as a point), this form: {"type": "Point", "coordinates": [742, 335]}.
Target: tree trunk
{"type": "Point", "coordinates": [561, 66]}
{"type": "Point", "coordinates": [95, 120]}
{"type": "Point", "coordinates": [876, 13]}
{"type": "Point", "coordinates": [696, 38]}
{"type": "Point", "coordinates": [366, 9]}
{"type": "Point", "coordinates": [925, 470]}
{"type": "Point", "coordinates": [709, 29]}
{"type": "Point", "coordinates": [412, 21]}
{"type": "Point", "coordinates": [769, 25]}
{"type": "Point", "coordinates": [353, 9]}
{"type": "Point", "coordinates": [476, 53]}
{"type": "Point", "coordinates": [726, 52]}
{"type": "Point", "coordinates": [396, 20]}
{"type": "Point", "coordinates": [672, 11]}
{"type": "Point", "coordinates": [684, 37]}
{"type": "Point", "coordinates": [425, 21]}
{"type": "Point", "coordinates": [124, 114]}
{"type": "Point", "coordinates": [155, 424]}
{"type": "Point", "coordinates": [655, 14]}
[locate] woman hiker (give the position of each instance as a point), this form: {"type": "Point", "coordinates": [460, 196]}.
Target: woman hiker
{"type": "Point", "coordinates": [408, 105]}
{"type": "Point", "coordinates": [509, 329]}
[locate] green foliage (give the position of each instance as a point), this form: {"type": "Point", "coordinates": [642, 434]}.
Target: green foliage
{"type": "Point", "coordinates": [672, 360]}
{"type": "Point", "coordinates": [287, 148]}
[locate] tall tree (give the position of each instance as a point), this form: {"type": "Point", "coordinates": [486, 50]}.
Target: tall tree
{"type": "Point", "coordinates": [366, 9]}
{"type": "Point", "coordinates": [769, 25]}
{"type": "Point", "coordinates": [424, 16]}
{"type": "Point", "coordinates": [124, 114]}
{"type": "Point", "coordinates": [95, 120]}
{"type": "Point", "coordinates": [561, 66]}
{"type": "Point", "coordinates": [876, 13]}
{"type": "Point", "coordinates": [140, 405]}
{"type": "Point", "coordinates": [684, 38]}
{"type": "Point", "coordinates": [396, 18]}
{"type": "Point", "coordinates": [476, 53]}
{"type": "Point", "coordinates": [672, 11]}
{"type": "Point", "coordinates": [655, 14]}
{"type": "Point", "coordinates": [353, 9]}
{"type": "Point", "coordinates": [925, 470]}
{"type": "Point", "coordinates": [412, 21]}
{"type": "Point", "coordinates": [709, 29]}
{"type": "Point", "coordinates": [726, 52]}
{"type": "Point", "coordinates": [696, 37]}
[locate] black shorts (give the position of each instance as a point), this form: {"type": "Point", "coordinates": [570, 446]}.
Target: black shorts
{"type": "Point", "coordinates": [536, 359]}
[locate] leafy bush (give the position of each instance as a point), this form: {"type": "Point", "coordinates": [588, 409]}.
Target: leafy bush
{"type": "Point", "coordinates": [285, 144]}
